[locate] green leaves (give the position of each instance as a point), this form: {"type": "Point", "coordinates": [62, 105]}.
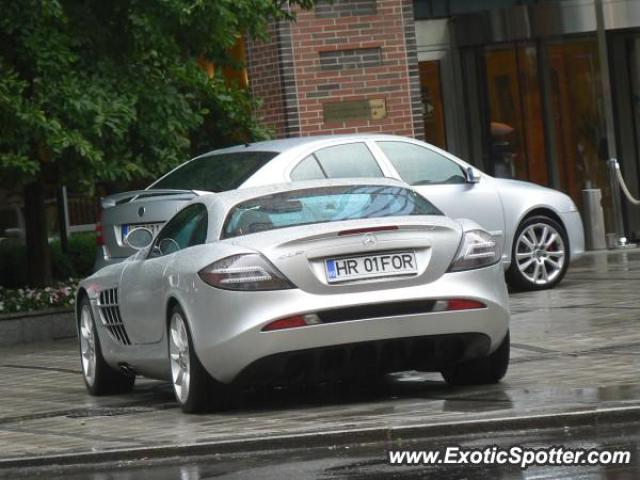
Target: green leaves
{"type": "Point", "coordinates": [93, 90]}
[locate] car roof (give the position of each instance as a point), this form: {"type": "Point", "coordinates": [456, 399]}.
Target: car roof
{"type": "Point", "coordinates": [285, 144]}
{"type": "Point", "coordinates": [226, 200]}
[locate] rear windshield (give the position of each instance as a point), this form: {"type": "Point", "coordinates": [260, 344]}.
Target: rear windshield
{"type": "Point", "coordinates": [322, 205]}
{"type": "Point", "coordinates": [216, 173]}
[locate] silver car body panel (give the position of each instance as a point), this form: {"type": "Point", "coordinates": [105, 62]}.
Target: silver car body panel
{"type": "Point", "coordinates": [226, 325]}
{"type": "Point", "coordinates": [142, 211]}
{"type": "Point", "coordinates": [498, 205]}
{"type": "Point", "coordinates": [520, 199]}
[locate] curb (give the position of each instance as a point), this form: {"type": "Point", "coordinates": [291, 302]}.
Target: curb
{"type": "Point", "coordinates": [584, 418]}
{"type": "Point", "coordinates": [35, 313]}
{"type": "Point", "coordinates": [38, 326]}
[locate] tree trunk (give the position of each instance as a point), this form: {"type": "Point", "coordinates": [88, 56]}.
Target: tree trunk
{"type": "Point", "coordinates": [38, 254]}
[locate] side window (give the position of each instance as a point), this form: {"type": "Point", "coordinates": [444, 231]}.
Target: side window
{"type": "Point", "coordinates": [186, 229]}
{"type": "Point", "coordinates": [421, 166]}
{"type": "Point", "coordinates": [307, 169]}
{"type": "Point", "coordinates": [349, 160]}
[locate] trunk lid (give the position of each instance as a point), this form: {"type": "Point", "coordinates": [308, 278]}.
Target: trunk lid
{"type": "Point", "coordinates": [143, 208]}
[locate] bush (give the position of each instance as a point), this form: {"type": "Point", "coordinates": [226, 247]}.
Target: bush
{"type": "Point", "coordinates": [77, 263]}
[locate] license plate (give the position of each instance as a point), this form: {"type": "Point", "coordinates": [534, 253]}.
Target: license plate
{"type": "Point", "coordinates": [370, 266]}
{"type": "Point", "coordinates": [153, 227]}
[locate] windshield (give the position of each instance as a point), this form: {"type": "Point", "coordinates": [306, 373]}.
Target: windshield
{"type": "Point", "coordinates": [216, 173]}
{"type": "Point", "coordinates": [322, 205]}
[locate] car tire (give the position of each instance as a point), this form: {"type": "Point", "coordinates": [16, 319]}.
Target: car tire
{"type": "Point", "coordinates": [539, 254]}
{"type": "Point", "coordinates": [195, 390]}
{"type": "Point", "coordinates": [99, 377]}
{"type": "Point", "coordinates": [481, 371]}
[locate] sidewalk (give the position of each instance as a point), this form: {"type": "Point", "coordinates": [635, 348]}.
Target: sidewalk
{"type": "Point", "coordinates": [575, 358]}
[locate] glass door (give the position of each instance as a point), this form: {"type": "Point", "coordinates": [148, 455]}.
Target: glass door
{"type": "Point", "coordinates": [633, 49]}
{"type": "Point", "coordinates": [432, 102]}
{"type": "Point", "coordinates": [624, 58]}
{"type": "Point", "coordinates": [576, 99]}
{"type": "Point", "coordinates": [516, 135]}
{"type": "Point", "coordinates": [516, 121]}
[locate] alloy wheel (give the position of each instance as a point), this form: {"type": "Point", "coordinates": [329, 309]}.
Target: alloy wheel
{"type": "Point", "coordinates": [87, 345]}
{"type": "Point", "coordinates": [540, 253]}
{"type": "Point", "coordinates": [179, 354]}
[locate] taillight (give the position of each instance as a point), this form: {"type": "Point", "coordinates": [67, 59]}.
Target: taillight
{"type": "Point", "coordinates": [292, 322]}
{"type": "Point", "coordinates": [99, 231]}
{"type": "Point", "coordinates": [457, 304]}
{"type": "Point", "coordinates": [249, 271]}
{"type": "Point", "coordinates": [478, 249]}
{"type": "Point", "coordinates": [462, 304]}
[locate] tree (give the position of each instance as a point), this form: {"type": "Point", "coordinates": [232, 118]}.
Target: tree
{"type": "Point", "coordinates": [112, 90]}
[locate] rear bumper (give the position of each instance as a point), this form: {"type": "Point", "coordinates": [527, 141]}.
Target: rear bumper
{"type": "Point", "coordinates": [363, 359]}
{"type": "Point", "coordinates": [227, 326]}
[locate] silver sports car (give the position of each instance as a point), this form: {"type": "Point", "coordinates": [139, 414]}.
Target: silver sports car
{"type": "Point", "coordinates": [538, 229]}
{"type": "Point", "coordinates": [300, 282]}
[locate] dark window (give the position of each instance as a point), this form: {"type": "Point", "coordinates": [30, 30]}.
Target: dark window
{"type": "Point", "coordinates": [421, 166]}
{"type": "Point", "coordinates": [307, 169]}
{"type": "Point", "coordinates": [323, 205]}
{"type": "Point", "coordinates": [424, 9]}
{"type": "Point", "coordinates": [350, 160]}
{"type": "Point", "coordinates": [186, 229]}
{"type": "Point", "coordinates": [215, 173]}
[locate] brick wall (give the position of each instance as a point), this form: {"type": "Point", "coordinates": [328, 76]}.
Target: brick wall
{"type": "Point", "coordinates": [346, 51]}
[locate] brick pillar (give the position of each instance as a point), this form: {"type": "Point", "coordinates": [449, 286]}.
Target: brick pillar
{"type": "Point", "coordinates": [344, 67]}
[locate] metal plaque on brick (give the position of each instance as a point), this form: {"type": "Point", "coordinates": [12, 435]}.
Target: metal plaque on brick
{"type": "Point", "coordinates": [378, 107]}
{"type": "Point", "coordinates": [372, 109]}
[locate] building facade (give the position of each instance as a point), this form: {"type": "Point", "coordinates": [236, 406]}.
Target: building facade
{"type": "Point", "coordinates": [515, 87]}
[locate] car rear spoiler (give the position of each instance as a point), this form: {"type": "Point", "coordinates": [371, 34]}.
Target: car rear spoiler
{"type": "Point", "coordinates": [124, 197]}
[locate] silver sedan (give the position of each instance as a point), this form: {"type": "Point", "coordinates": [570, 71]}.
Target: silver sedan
{"type": "Point", "coordinates": [539, 229]}
{"type": "Point", "coordinates": [303, 282]}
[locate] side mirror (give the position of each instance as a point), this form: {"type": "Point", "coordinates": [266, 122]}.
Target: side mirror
{"type": "Point", "coordinates": [139, 238]}
{"type": "Point", "coordinates": [472, 175]}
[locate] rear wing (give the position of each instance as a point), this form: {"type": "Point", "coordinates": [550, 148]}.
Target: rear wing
{"type": "Point", "coordinates": [151, 194]}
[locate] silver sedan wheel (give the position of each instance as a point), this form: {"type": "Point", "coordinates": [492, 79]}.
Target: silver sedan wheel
{"type": "Point", "coordinates": [180, 360]}
{"type": "Point", "coordinates": [87, 345]}
{"type": "Point", "coordinates": [540, 253]}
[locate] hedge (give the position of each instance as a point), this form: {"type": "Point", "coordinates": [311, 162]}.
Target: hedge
{"type": "Point", "coordinates": [77, 263]}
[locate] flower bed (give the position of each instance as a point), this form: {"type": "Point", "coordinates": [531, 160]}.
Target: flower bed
{"type": "Point", "coordinates": [29, 299]}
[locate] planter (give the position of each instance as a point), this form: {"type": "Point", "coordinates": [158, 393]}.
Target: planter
{"type": "Point", "coordinates": [38, 326]}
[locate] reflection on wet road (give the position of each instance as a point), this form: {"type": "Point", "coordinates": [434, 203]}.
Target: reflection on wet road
{"type": "Point", "coordinates": [360, 462]}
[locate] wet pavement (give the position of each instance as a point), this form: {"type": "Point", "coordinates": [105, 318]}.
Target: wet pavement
{"type": "Point", "coordinates": [576, 352]}
{"type": "Point", "coordinates": [369, 461]}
